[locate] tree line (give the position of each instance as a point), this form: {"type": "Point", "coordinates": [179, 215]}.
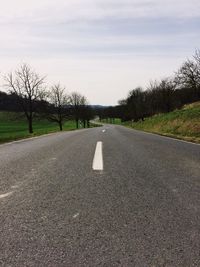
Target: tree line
{"type": "Point", "coordinates": [160, 96]}
{"type": "Point", "coordinates": [28, 94]}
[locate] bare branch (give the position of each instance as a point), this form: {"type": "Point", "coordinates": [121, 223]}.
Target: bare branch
{"type": "Point", "coordinates": [28, 86]}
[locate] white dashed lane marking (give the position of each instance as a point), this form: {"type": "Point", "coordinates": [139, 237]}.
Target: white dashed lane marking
{"type": "Point", "coordinates": [5, 195]}
{"type": "Point", "coordinates": [76, 215]}
{"type": "Point", "coordinates": [98, 157]}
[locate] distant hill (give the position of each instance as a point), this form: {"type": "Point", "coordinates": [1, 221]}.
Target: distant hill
{"type": "Point", "coordinates": [98, 106]}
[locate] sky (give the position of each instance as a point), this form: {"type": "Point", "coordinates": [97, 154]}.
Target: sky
{"type": "Point", "coordinates": [99, 48]}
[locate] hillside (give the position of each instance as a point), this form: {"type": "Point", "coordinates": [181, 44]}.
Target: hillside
{"type": "Point", "coordinates": [183, 123]}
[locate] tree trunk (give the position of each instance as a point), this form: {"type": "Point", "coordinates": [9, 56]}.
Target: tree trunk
{"type": "Point", "coordinates": [60, 125]}
{"type": "Point", "coordinates": [76, 124]}
{"type": "Point", "coordinates": [30, 117]}
{"type": "Point", "coordinates": [88, 123]}
{"type": "Point", "coordinates": [84, 124]}
{"type": "Point", "coordinates": [30, 125]}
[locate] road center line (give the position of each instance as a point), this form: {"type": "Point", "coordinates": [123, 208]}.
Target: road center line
{"type": "Point", "coordinates": [76, 215]}
{"type": "Point", "coordinates": [98, 158]}
{"type": "Point", "coordinates": [103, 131]}
{"type": "Point", "coordinates": [6, 195]}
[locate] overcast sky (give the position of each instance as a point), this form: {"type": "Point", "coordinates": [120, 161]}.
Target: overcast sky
{"type": "Point", "coordinates": [100, 48]}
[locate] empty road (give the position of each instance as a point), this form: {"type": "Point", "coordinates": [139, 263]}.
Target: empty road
{"type": "Point", "coordinates": [107, 196]}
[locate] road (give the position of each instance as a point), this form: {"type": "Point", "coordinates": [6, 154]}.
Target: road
{"type": "Point", "coordinates": [136, 203]}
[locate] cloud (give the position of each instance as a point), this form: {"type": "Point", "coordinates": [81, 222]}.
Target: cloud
{"type": "Point", "coordinates": [98, 9]}
{"type": "Point", "coordinates": [108, 38]}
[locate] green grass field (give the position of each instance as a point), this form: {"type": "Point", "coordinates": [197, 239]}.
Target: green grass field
{"type": "Point", "coordinates": [14, 126]}
{"type": "Point", "coordinates": [182, 124]}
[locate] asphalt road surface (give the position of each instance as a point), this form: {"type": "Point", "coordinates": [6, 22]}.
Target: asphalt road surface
{"type": "Point", "coordinates": [107, 196]}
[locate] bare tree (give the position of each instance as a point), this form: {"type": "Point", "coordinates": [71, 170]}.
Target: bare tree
{"type": "Point", "coordinates": [77, 102]}
{"type": "Point", "coordinates": [188, 76]}
{"type": "Point", "coordinates": [27, 85]}
{"type": "Point", "coordinates": [87, 114]}
{"type": "Point", "coordinates": [59, 99]}
{"type": "Point", "coordinates": [197, 57]}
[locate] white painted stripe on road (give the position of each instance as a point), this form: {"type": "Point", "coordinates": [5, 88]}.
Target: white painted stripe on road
{"type": "Point", "coordinates": [76, 215]}
{"type": "Point", "coordinates": [98, 158]}
{"type": "Point", "coordinates": [14, 186]}
{"type": "Point", "coordinates": [5, 195]}
{"type": "Point", "coordinates": [103, 131]}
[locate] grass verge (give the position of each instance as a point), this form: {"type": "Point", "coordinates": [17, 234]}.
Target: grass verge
{"type": "Point", "coordinates": [14, 127]}
{"type": "Point", "coordinates": [181, 124]}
